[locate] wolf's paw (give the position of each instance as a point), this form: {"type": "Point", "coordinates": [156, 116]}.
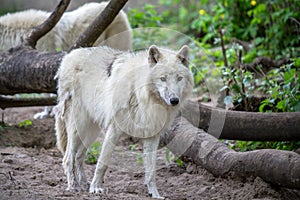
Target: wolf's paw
{"type": "Point", "coordinates": [154, 193]}
{"type": "Point", "coordinates": [74, 189]}
{"type": "Point", "coordinates": [156, 196]}
{"type": "Point", "coordinates": [84, 186]}
{"type": "Point", "coordinates": [42, 115]}
{"type": "Point", "coordinates": [96, 189]}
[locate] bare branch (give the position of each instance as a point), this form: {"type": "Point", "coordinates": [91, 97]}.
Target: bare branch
{"type": "Point", "coordinates": [102, 21]}
{"type": "Point", "coordinates": [223, 48]}
{"type": "Point", "coordinates": [244, 44]}
{"type": "Point", "coordinates": [41, 30]}
{"type": "Point", "coordinates": [8, 102]}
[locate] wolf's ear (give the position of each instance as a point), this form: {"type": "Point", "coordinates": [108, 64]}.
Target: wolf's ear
{"type": "Point", "coordinates": [184, 55]}
{"type": "Point", "coordinates": [154, 55]}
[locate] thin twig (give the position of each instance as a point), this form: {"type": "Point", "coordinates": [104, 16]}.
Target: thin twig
{"type": "Point", "coordinates": [223, 48]}
{"type": "Point", "coordinates": [243, 92]}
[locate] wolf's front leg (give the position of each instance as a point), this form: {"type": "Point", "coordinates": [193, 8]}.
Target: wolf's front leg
{"type": "Point", "coordinates": [110, 140]}
{"type": "Point", "coordinates": [150, 148]}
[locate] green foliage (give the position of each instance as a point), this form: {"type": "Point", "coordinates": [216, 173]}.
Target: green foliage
{"type": "Point", "coordinates": [3, 125]}
{"type": "Point", "coordinates": [133, 147]}
{"type": "Point", "coordinates": [269, 24]}
{"type": "Point", "coordinates": [174, 158]}
{"type": "Point", "coordinates": [253, 145]}
{"type": "Point", "coordinates": [146, 17]}
{"type": "Point", "coordinates": [25, 124]}
{"type": "Point", "coordinates": [92, 153]}
{"type": "Point", "coordinates": [283, 89]}
{"type": "Point", "coordinates": [138, 156]}
{"type": "Point", "coordinates": [139, 159]}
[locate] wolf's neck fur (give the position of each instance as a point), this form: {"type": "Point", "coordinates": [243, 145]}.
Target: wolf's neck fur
{"type": "Point", "coordinates": [149, 114]}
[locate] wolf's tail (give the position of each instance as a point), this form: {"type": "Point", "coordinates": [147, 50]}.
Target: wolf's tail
{"type": "Point", "coordinates": [61, 135]}
{"type": "Point", "coordinates": [60, 123]}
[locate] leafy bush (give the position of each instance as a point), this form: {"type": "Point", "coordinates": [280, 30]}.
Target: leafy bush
{"type": "Point", "coordinates": [145, 17]}
{"type": "Point", "coordinates": [253, 145]}
{"type": "Point", "coordinates": [25, 124]}
{"type": "Point", "coordinates": [92, 153]}
{"type": "Point", "coordinates": [283, 89]}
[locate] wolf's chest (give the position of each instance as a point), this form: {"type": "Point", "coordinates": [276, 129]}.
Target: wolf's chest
{"type": "Point", "coordinates": [143, 121]}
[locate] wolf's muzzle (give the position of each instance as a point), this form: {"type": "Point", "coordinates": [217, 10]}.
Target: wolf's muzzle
{"type": "Point", "coordinates": [174, 101]}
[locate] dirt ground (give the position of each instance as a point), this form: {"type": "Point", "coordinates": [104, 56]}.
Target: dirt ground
{"type": "Point", "coordinates": [30, 168]}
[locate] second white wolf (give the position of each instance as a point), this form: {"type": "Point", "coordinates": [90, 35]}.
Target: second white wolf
{"type": "Point", "coordinates": [137, 94]}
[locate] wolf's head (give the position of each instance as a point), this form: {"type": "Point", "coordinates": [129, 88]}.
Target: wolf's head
{"type": "Point", "coordinates": [171, 79]}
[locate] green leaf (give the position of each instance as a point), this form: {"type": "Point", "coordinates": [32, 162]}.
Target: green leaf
{"type": "Point", "coordinates": [236, 88]}
{"type": "Point", "coordinates": [25, 123]}
{"type": "Point", "coordinates": [281, 105]}
{"type": "Point", "coordinates": [224, 88]}
{"type": "Point", "coordinates": [297, 62]}
{"type": "Point", "coordinates": [228, 100]}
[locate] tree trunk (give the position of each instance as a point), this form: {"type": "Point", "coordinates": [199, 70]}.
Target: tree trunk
{"type": "Point", "coordinates": [281, 168]}
{"type": "Point", "coordinates": [26, 70]}
{"type": "Point", "coordinates": [237, 125]}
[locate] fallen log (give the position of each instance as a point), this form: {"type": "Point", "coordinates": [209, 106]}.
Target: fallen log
{"type": "Point", "coordinates": [222, 124]}
{"type": "Point", "coordinates": [8, 102]}
{"type": "Point", "coordinates": [249, 126]}
{"type": "Point", "coordinates": [278, 167]}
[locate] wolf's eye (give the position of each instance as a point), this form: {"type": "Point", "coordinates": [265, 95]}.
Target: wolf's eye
{"type": "Point", "coordinates": [179, 78]}
{"type": "Point", "coordinates": [163, 78]}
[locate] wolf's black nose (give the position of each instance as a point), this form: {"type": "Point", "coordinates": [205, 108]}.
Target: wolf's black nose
{"type": "Point", "coordinates": [174, 101]}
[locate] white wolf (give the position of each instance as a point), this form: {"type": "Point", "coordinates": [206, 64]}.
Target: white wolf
{"type": "Point", "coordinates": [15, 27]}
{"type": "Point", "coordinates": [138, 94]}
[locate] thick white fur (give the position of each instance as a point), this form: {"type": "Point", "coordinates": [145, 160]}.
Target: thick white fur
{"type": "Point", "coordinates": [15, 27]}
{"type": "Point", "coordinates": [123, 92]}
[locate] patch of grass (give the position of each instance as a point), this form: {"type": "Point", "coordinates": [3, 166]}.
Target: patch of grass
{"type": "Point", "coordinates": [173, 158]}
{"type": "Point", "coordinates": [25, 124]}
{"type": "Point", "coordinates": [133, 147]}
{"type": "Point", "coordinates": [253, 145]}
{"type": "Point", "coordinates": [139, 159]}
{"type": "Point", "coordinates": [92, 153]}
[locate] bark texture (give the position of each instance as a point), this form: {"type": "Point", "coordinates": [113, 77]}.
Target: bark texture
{"type": "Point", "coordinates": [8, 102]}
{"type": "Point", "coordinates": [237, 125]}
{"type": "Point", "coordinates": [26, 70]}
{"type": "Point", "coordinates": [281, 168]}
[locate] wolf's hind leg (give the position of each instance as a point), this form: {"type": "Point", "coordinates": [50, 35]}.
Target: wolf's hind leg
{"type": "Point", "coordinates": [111, 138]}
{"type": "Point", "coordinates": [150, 148]}
{"type": "Point", "coordinates": [69, 160]}
{"type": "Point", "coordinates": [87, 132]}
{"type": "Point", "coordinates": [79, 162]}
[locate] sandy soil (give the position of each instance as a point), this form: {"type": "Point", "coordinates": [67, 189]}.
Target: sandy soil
{"type": "Point", "coordinates": [30, 168]}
